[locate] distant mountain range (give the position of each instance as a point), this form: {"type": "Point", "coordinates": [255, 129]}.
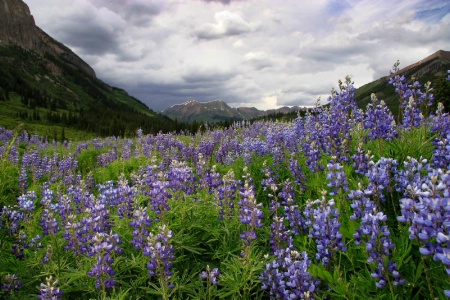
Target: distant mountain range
{"type": "Point", "coordinates": [431, 68]}
{"type": "Point", "coordinates": [218, 110]}
{"type": "Point", "coordinates": [46, 86]}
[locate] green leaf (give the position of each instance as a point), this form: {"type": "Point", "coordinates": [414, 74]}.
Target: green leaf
{"type": "Point", "coordinates": [418, 273]}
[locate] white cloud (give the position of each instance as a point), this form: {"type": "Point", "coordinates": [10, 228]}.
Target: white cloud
{"type": "Point", "coordinates": [227, 24]}
{"type": "Point", "coordinates": [261, 53]}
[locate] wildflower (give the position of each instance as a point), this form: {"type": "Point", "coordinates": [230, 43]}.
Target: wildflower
{"type": "Point", "coordinates": [50, 290]}
{"type": "Point", "coordinates": [211, 275]}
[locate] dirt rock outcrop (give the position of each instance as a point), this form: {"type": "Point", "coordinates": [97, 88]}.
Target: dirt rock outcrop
{"type": "Point", "coordinates": [17, 27]}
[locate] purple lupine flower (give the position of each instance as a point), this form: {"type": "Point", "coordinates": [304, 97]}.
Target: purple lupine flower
{"type": "Point", "coordinates": [279, 234]}
{"type": "Point", "coordinates": [287, 276]}
{"type": "Point", "coordinates": [227, 194]}
{"type": "Point", "coordinates": [250, 211]}
{"type": "Point", "coordinates": [342, 108]}
{"type": "Point", "coordinates": [12, 217]}
{"type": "Point", "coordinates": [441, 153]}
{"type": "Point", "coordinates": [441, 122]}
{"type": "Point", "coordinates": [211, 275]}
{"type": "Point", "coordinates": [161, 254]}
{"type": "Point", "coordinates": [139, 133]}
{"type": "Point", "coordinates": [108, 194]}
{"type": "Point", "coordinates": [181, 178]}
{"type": "Point", "coordinates": [412, 116]}
{"type": "Point", "coordinates": [10, 283]}
{"type": "Point", "coordinates": [26, 201]}
{"type": "Point", "coordinates": [126, 150]}
{"type": "Point", "coordinates": [337, 180]}
{"type": "Point", "coordinates": [19, 245]}
{"type": "Point", "coordinates": [379, 120]}
{"type": "Point", "coordinates": [380, 175]}
{"type": "Point", "coordinates": [159, 196]}
{"type": "Point", "coordinates": [126, 196]}
{"type": "Point", "coordinates": [314, 156]}
{"type": "Point", "coordinates": [297, 172]}
{"type": "Point", "coordinates": [103, 246]}
{"type": "Point", "coordinates": [35, 242]}
{"type": "Point", "coordinates": [23, 178]}
{"type": "Point", "coordinates": [361, 160]}
{"type": "Point", "coordinates": [140, 222]}
{"type": "Point", "coordinates": [74, 235]}
{"type": "Point", "coordinates": [292, 213]}
{"type": "Point", "coordinates": [48, 222]}
{"type": "Point", "coordinates": [50, 290]}
{"type": "Point", "coordinates": [427, 211]}
{"type": "Point", "coordinates": [48, 254]}
{"type": "Point", "coordinates": [322, 219]}
{"type": "Point", "coordinates": [401, 87]}
{"type": "Point", "coordinates": [375, 234]}
{"type": "Point", "coordinates": [212, 180]}
{"type": "Point", "coordinates": [410, 175]}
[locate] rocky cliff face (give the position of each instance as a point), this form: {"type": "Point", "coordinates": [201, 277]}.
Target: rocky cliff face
{"type": "Point", "coordinates": [17, 27]}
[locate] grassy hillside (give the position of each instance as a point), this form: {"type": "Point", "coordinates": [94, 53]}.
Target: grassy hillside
{"type": "Point", "coordinates": [48, 94]}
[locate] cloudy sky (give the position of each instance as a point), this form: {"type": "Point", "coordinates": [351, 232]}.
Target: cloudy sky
{"type": "Point", "coordinates": [262, 53]}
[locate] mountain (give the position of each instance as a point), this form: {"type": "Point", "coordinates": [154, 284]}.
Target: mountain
{"type": "Point", "coordinates": [432, 68]}
{"type": "Point", "coordinates": [192, 110]}
{"type": "Point", "coordinates": [50, 89]}
{"type": "Point", "coordinates": [217, 110]}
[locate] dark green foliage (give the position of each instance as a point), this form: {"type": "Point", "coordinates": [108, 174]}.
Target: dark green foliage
{"type": "Point", "coordinates": [71, 98]}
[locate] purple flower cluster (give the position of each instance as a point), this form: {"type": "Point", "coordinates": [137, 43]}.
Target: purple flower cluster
{"type": "Point", "coordinates": [361, 160]}
{"type": "Point", "coordinates": [292, 213]}
{"type": "Point", "coordinates": [427, 210]}
{"type": "Point", "coordinates": [250, 211]}
{"type": "Point", "coordinates": [412, 115]}
{"type": "Point", "coordinates": [48, 222]}
{"type": "Point", "coordinates": [161, 254]}
{"type": "Point", "coordinates": [375, 234]}
{"type": "Point", "coordinates": [412, 174]}
{"type": "Point", "coordinates": [297, 172]}
{"type": "Point", "coordinates": [287, 276]}
{"type": "Point", "coordinates": [411, 98]}
{"type": "Point", "coordinates": [11, 218]}
{"type": "Point", "coordinates": [322, 219]}
{"type": "Point", "coordinates": [211, 275]}
{"type": "Point", "coordinates": [337, 180]}
{"type": "Point", "coordinates": [441, 122]}
{"type": "Point", "coordinates": [50, 290]}
{"type": "Point", "coordinates": [181, 178]}
{"type": "Point", "coordinates": [441, 153]}
{"type": "Point", "coordinates": [10, 283]}
{"type": "Point", "coordinates": [103, 247]}
{"type": "Point", "coordinates": [379, 121]}
{"type": "Point", "coordinates": [227, 194]}
{"type": "Point", "coordinates": [380, 175]}
{"type": "Point", "coordinates": [140, 223]}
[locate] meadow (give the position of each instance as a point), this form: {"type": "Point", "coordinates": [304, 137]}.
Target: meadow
{"type": "Point", "coordinates": [342, 203]}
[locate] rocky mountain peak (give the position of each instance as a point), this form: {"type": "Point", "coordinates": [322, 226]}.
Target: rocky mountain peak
{"type": "Point", "coordinates": [16, 24]}
{"type": "Point", "coordinates": [17, 27]}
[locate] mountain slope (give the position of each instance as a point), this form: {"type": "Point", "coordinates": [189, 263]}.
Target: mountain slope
{"type": "Point", "coordinates": [432, 68]}
{"type": "Point", "coordinates": [48, 87]}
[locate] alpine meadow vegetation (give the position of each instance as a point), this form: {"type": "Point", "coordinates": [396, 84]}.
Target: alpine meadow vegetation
{"type": "Point", "coordinates": [341, 203]}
